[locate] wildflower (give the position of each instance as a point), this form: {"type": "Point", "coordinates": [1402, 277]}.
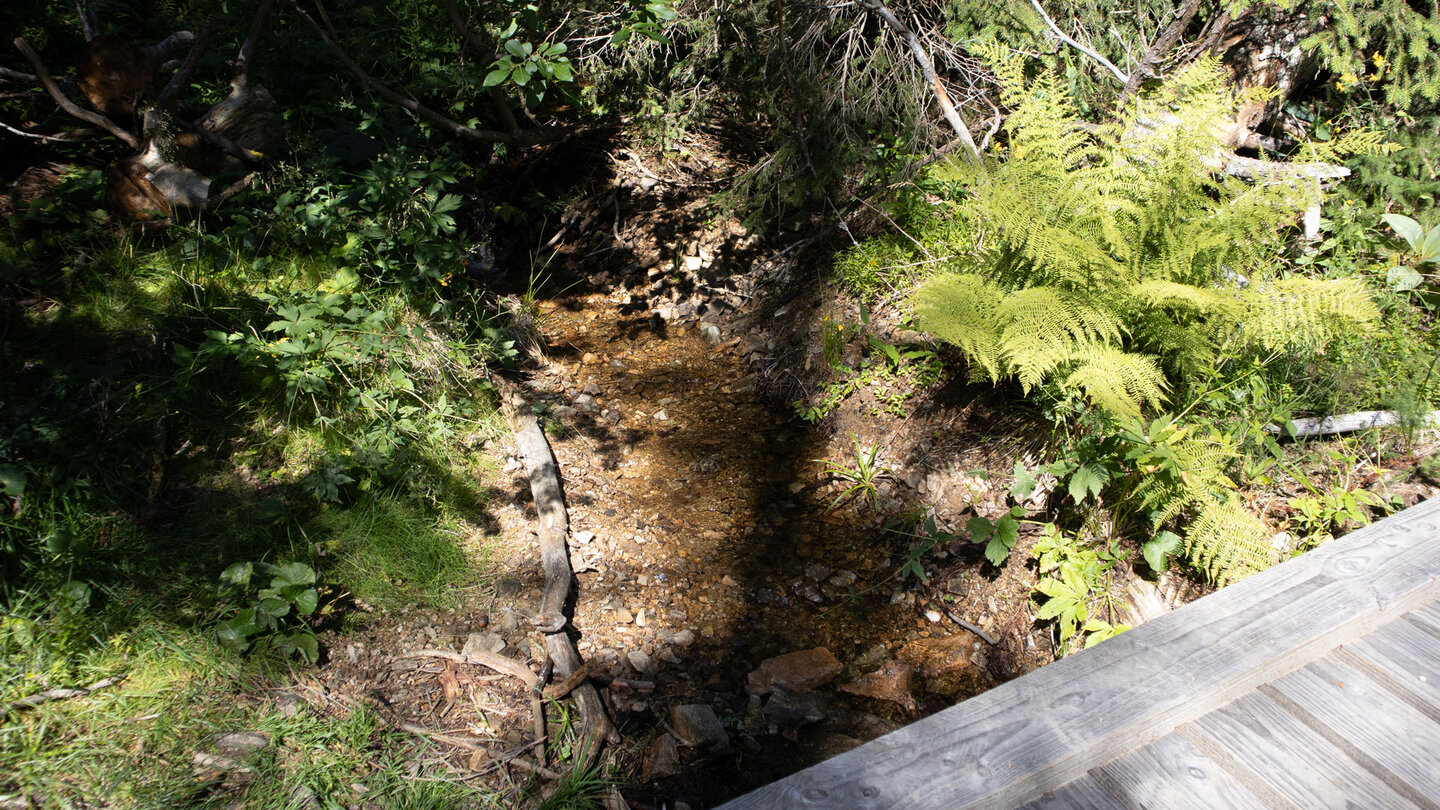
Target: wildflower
{"type": "Point", "coordinates": [1379, 60]}
{"type": "Point", "coordinates": [1347, 81]}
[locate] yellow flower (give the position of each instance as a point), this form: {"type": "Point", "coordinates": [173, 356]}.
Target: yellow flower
{"type": "Point", "coordinates": [1378, 59]}
{"type": "Point", "coordinates": [1347, 81]}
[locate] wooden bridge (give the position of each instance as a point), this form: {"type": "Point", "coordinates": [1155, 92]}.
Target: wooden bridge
{"type": "Point", "coordinates": [1313, 684]}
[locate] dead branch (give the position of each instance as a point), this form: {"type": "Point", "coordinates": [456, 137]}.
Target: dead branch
{"type": "Point", "coordinates": [89, 26]}
{"type": "Point", "coordinates": [48, 82]}
{"type": "Point", "coordinates": [554, 531]}
{"type": "Point", "coordinates": [495, 661]}
{"type": "Point", "coordinates": [1157, 51]}
{"type": "Point", "coordinates": [927, 67]}
{"type": "Point", "coordinates": [241, 77]}
{"type": "Point", "coordinates": [41, 698]}
{"type": "Point", "coordinates": [1068, 40]}
{"type": "Point", "coordinates": [37, 136]}
{"type": "Point", "coordinates": [331, 40]}
{"type": "Point", "coordinates": [181, 75]}
{"type": "Point", "coordinates": [974, 628]}
{"type": "Point", "coordinates": [486, 56]}
{"type": "Point", "coordinates": [555, 691]}
{"type": "Point", "coordinates": [18, 76]}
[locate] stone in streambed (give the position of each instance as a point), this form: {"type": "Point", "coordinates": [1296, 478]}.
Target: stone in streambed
{"type": "Point", "coordinates": [806, 669]}
{"type": "Point", "coordinates": [698, 727]}
{"type": "Point", "coordinates": [891, 682]}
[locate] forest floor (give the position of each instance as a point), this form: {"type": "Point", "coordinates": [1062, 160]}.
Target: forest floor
{"type": "Point", "coordinates": [711, 532]}
{"type": "Point", "coordinates": [754, 591]}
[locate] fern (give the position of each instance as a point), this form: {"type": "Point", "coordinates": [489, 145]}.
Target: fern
{"type": "Point", "coordinates": [1112, 246]}
{"type": "Point", "coordinates": [1226, 542]}
{"type": "Point", "coordinates": [1407, 38]}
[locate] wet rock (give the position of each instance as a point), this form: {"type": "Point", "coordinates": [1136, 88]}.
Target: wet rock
{"type": "Point", "coordinates": [698, 727]}
{"type": "Point", "coordinates": [812, 594]}
{"type": "Point", "coordinates": [891, 682]}
{"type": "Point", "coordinates": [817, 571]}
{"type": "Point", "coordinates": [662, 759]}
{"type": "Point", "coordinates": [938, 656]}
{"type": "Point", "coordinates": [790, 709]}
{"type": "Point", "coordinates": [483, 643]}
{"type": "Point", "coordinates": [806, 669]}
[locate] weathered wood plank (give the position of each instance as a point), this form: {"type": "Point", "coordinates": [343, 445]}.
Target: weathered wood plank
{"type": "Point", "coordinates": [1042, 731]}
{"type": "Point", "coordinates": [1170, 773]}
{"type": "Point", "coordinates": [1404, 659]}
{"type": "Point", "coordinates": [1082, 794]}
{"type": "Point", "coordinates": [1296, 762]}
{"type": "Point", "coordinates": [1428, 617]}
{"type": "Point", "coordinates": [1374, 727]}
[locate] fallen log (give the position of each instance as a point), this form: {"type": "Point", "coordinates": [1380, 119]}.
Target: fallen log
{"type": "Point", "coordinates": [554, 531]}
{"type": "Point", "coordinates": [1346, 423]}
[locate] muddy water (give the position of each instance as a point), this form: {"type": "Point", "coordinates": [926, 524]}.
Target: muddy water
{"type": "Point", "coordinates": [709, 519]}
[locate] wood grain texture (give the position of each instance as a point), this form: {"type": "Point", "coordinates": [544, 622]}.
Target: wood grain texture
{"type": "Point", "coordinates": [1291, 758]}
{"type": "Point", "coordinates": [1404, 659]}
{"type": "Point", "coordinates": [1427, 617]}
{"type": "Point", "coordinates": [1082, 794]}
{"type": "Point", "coordinates": [1048, 728]}
{"type": "Point", "coordinates": [1170, 773]}
{"type": "Point", "coordinates": [1396, 743]}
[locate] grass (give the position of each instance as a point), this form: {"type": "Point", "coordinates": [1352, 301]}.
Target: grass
{"type": "Point", "coordinates": [391, 554]}
{"type": "Point", "coordinates": [147, 474]}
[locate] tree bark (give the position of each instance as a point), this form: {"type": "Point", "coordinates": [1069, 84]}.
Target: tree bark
{"type": "Point", "coordinates": [48, 82]}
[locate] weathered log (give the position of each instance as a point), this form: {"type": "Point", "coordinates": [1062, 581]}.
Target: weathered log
{"type": "Point", "coordinates": [554, 531]}
{"type": "Point", "coordinates": [1347, 423]}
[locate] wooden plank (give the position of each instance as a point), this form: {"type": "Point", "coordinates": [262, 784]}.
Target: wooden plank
{"type": "Point", "coordinates": [1394, 742]}
{"type": "Point", "coordinates": [1428, 616]}
{"type": "Point", "coordinates": [1082, 794]}
{"type": "Point", "coordinates": [1404, 659]}
{"type": "Point", "coordinates": [1291, 758]}
{"type": "Point", "coordinates": [1170, 773]}
{"type": "Point", "coordinates": [1041, 731]}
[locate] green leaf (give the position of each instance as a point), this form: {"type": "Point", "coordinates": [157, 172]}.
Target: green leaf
{"type": "Point", "coordinates": [496, 76]}
{"type": "Point", "coordinates": [294, 573]}
{"type": "Point", "coordinates": [1408, 229]}
{"type": "Point", "coordinates": [1403, 277]}
{"type": "Point", "coordinates": [520, 75]}
{"type": "Point", "coordinates": [1007, 531]}
{"type": "Point", "coordinates": [996, 551]}
{"type": "Point", "coordinates": [274, 606]}
{"type": "Point", "coordinates": [238, 574]}
{"type": "Point", "coordinates": [1024, 483]}
{"type": "Point", "coordinates": [979, 528]}
{"type": "Point", "coordinates": [516, 47]}
{"type": "Point", "coordinates": [1159, 550]}
{"type": "Point", "coordinates": [12, 480]}
{"type": "Point", "coordinates": [1088, 479]}
{"type": "Point", "coordinates": [306, 602]}
{"type": "Point", "coordinates": [306, 644]}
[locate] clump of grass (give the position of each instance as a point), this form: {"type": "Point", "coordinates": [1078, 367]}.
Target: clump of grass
{"type": "Point", "coordinates": [390, 553]}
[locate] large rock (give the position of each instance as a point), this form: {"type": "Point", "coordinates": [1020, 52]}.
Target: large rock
{"type": "Point", "coordinates": [891, 682]}
{"type": "Point", "coordinates": [806, 669]}
{"type": "Point", "coordinates": [698, 727]}
{"type": "Point", "coordinates": [789, 709]}
{"type": "Point", "coordinates": [662, 759]}
{"type": "Point", "coordinates": [938, 656]}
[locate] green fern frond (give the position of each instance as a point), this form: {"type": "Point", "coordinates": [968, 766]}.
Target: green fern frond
{"type": "Point", "coordinates": [1042, 329]}
{"type": "Point", "coordinates": [961, 309]}
{"type": "Point", "coordinates": [1119, 381]}
{"type": "Point", "coordinates": [1166, 293]}
{"type": "Point", "coordinates": [1227, 542]}
{"type": "Point", "coordinates": [1305, 313]}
